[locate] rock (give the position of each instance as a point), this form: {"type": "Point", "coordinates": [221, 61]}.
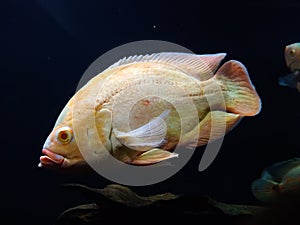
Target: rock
{"type": "Point", "coordinates": [116, 203]}
{"type": "Point", "coordinates": [114, 195]}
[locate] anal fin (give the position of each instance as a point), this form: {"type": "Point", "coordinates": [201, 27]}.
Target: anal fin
{"type": "Point", "coordinates": [153, 156]}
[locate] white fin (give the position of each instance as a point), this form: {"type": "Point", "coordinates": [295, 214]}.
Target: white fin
{"type": "Point", "coordinates": [146, 137]}
{"type": "Point", "coordinates": [153, 156]}
{"type": "Point", "coordinates": [202, 67]}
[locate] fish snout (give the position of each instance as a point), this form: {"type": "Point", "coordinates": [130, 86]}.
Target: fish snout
{"type": "Point", "coordinates": [47, 143]}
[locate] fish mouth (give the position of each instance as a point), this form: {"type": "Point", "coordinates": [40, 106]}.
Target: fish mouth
{"type": "Point", "coordinates": [50, 158]}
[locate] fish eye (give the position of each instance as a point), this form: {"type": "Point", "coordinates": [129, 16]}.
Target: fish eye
{"type": "Point", "coordinates": [64, 135]}
{"type": "Point", "coordinates": [292, 52]}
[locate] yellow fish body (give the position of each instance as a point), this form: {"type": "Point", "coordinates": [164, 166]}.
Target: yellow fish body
{"type": "Point", "coordinates": [133, 105]}
{"type": "Point", "coordinates": [292, 60]}
{"type": "Point", "coordinates": [277, 179]}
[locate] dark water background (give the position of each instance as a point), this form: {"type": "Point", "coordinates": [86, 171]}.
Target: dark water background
{"type": "Point", "coordinates": [47, 45]}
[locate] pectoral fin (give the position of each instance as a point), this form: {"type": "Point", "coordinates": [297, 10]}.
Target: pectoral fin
{"type": "Point", "coordinates": [153, 156]}
{"type": "Point", "coordinates": [146, 137]}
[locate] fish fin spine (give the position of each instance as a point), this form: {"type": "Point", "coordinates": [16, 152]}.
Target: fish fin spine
{"type": "Point", "coordinates": [201, 67]}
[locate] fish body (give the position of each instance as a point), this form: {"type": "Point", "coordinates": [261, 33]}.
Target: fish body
{"type": "Point", "coordinates": [277, 179]}
{"type": "Point", "coordinates": [133, 106]}
{"type": "Point", "coordinates": [292, 60]}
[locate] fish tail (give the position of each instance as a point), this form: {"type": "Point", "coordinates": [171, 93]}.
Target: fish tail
{"type": "Point", "coordinates": [240, 95]}
{"type": "Point", "coordinates": [265, 190]}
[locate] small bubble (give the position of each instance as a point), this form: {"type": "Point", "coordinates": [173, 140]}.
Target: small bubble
{"type": "Point", "coordinates": [154, 26]}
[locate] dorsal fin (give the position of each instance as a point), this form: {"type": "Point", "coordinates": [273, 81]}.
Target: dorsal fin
{"type": "Point", "coordinates": [202, 67]}
{"type": "Point", "coordinates": [280, 169]}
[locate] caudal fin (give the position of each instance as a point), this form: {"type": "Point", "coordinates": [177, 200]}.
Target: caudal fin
{"type": "Point", "coordinates": [240, 95]}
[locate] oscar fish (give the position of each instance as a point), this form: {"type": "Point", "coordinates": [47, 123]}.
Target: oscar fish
{"type": "Point", "coordinates": [292, 60]}
{"type": "Point", "coordinates": [188, 81]}
{"type": "Point", "coordinates": [279, 178]}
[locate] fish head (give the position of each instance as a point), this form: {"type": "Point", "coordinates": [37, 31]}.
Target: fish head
{"type": "Point", "coordinates": [60, 150]}
{"type": "Point", "coordinates": [292, 56]}
{"type": "Point", "coordinates": [266, 190]}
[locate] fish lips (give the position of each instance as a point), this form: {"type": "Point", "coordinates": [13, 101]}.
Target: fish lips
{"type": "Point", "coordinates": [50, 158]}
